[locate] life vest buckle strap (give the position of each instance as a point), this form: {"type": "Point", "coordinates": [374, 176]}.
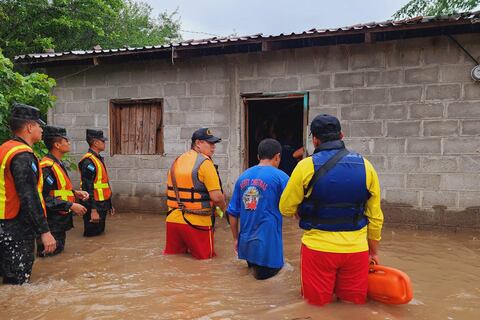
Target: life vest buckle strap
{"type": "Point", "coordinates": [342, 205]}
{"type": "Point", "coordinates": [332, 221]}
{"type": "Point", "coordinates": [187, 200]}
{"type": "Point", "coordinates": [171, 188]}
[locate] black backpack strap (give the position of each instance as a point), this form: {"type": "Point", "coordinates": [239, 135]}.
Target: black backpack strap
{"type": "Point", "coordinates": [325, 168]}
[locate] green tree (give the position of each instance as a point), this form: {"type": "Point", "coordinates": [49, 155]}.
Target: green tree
{"type": "Point", "coordinates": [435, 8]}
{"type": "Point", "coordinates": [28, 26]}
{"type": "Point", "coordinates": [32, 89]}
{"type": "Point", "coordinates": [136, 28]}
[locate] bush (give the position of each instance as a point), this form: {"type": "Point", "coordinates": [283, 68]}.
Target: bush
{"type": "Point", "coordinates": [33, 89]}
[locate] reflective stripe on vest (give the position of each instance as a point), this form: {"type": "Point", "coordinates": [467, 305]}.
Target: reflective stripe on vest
{"type": "Point", "coordinates": [40, 190]}
{"type": "Point", "coordinates": [9, 200]}
{"type": "Point", "coordinates": [64, 189]}
{"type": "Point", "coordinates": [193, 192]}
{"type": "Point", "coordinates": [101, 186]}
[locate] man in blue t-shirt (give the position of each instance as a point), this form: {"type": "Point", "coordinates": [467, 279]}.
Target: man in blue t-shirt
{"type": "Point", "coordinates": [255, 202]}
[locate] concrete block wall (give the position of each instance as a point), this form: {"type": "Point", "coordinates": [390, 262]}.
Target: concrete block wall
{"type": "Point", "coordinates": [196, 94]}
{"type": "Point", "coordinates": [409, 106]}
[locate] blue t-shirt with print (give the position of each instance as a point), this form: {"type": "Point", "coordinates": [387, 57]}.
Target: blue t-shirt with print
{"type": "Point", "coordinates": [255, 201]}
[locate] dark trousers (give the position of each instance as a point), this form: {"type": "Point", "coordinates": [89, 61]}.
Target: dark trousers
{"type": "Point", "coordinates": [94, 229]}
{"type": "Point", "coordinates": [261, 272]}
{"type": "Point", "coordinates": [16, 260]}
{"type": "Point", "coordinates": [60, 237]}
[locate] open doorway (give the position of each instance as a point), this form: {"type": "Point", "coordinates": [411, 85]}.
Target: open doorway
{"type": "Point", "coordinates": [282, 117]}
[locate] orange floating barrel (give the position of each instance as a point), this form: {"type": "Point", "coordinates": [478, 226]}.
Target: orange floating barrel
{"type": "Point", "coordinates": [389, 285]}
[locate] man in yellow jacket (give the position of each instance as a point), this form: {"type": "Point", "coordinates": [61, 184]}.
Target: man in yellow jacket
{"type": "Point", "coordinates": [193, 192]}
{"type": "Point", "coordinates": [336, 195]}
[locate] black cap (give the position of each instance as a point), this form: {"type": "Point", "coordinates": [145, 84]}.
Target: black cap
{"type": "Point", "coordinates": [324, 124]}
{"type": "Point", "coordinates": [22, 111]}
{"type": "Point", "coordinates": [51, 132]}
{"type": "Point", "coordinates": [95, 134]}
{"type": "Point", "coordinates": [205, 134]}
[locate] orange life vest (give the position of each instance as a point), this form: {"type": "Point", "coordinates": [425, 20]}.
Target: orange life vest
{"type": "Point", "coordinates": [64, 189]}
{"type": "Point", "coordinates": [9, 199]}
{"type": "Point", "coordinates": [101, 185]}
{"type": "Point", "coordinates": [193, 193]}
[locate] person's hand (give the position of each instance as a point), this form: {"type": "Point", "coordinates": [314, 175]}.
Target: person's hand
{"type": "Point", "coordinates": [49, 242]}
{"type": "Point", "coordinates": [82, 195]}
{"type": "Point", "coordinates": [94, 216]}
{"type": "Point", "coordinates": [112, 211]}
{"type": "Point", "coordinates": [373, 250]}
{"type": "Point", "coordinates": [78, 209]}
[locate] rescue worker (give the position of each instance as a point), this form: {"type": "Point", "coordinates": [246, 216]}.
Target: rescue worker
{"type": "Point", "coordinates": [255, 201]}
{"type": "Point", "coordinates": [22, 209]}
{"type": "Point", "coordinates": [94, 180]}
{"type": "Point", "coordinates": [336, 194]}
{"type": "Point", "coordinates": [193, 192]}
{"type": "Point", "coordinates": [57, 188]}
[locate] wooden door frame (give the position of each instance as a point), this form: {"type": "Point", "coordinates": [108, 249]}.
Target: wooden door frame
{"type": "Point", "coordinates": [246, 97]}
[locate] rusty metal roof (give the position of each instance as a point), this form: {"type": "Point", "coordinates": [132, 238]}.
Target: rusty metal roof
{"type": "Point", "coordinates": [467, 18]}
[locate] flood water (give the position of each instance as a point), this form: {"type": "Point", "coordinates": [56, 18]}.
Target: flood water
{"type": "Point", "coordinates": [123, 275]}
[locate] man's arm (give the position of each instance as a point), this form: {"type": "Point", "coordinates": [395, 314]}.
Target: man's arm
{"type": "Point", "coordinates": [25, 170]}
{"type": "Point", "coordinates": [218, 199]}
{"type": "Point", "coordinates": [298, 154]}
{"type": "Point", "coordinates": [233, 211]}
{"type": "Point", "coordinates": [208, 175]}
{"type": "Point", "coordinates": [373, 210]}
{"type": "Point", "coordinates": [234, 228]}
{"type": "Point", "coordinates": [25, 179]}
{"type": "Point", "coordinates": [293, 194]}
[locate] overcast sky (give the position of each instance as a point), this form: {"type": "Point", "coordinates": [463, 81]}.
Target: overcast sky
{"type": "Point", "coordinates": [246, 17]}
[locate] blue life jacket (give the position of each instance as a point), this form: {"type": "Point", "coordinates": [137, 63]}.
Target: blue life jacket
{"type": "Point", "coordinates": [337, 201]}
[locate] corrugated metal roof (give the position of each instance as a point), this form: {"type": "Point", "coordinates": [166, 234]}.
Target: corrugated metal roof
{"type": "Point", "coordinates": [188, 43]}
{"type": "Point", "coordinates": [472, 17]}
{"type": "Point", "coordinates": [466, 18]}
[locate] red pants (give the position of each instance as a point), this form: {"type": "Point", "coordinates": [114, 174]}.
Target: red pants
{"type": "Point", "coordinates": [325, 273]}
{"type": "Point", "coordinates": [182, 238]}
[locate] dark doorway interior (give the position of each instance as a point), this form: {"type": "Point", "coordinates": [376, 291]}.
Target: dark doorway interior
{"type": "Point", "coordinates": [279, 118]}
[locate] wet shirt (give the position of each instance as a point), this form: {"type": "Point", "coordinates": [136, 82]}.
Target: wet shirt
{"type": "Point", "coordinates": [88, 173]}
{"type": "Point", "coordinates": [209, 176]}
{"type": "Point", "coordinates": [58, 216]}
{"type": "Point", "coordinates": [338, 241]}
{"type": "Point", "coordinates": [255, 201]}
{"type": "Point", "coordinates": [30, 220]}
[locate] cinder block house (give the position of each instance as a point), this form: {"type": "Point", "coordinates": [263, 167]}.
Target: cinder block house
{"type": "Point", "coordinates": [403, 90]}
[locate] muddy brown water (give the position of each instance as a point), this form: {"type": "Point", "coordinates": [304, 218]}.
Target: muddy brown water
{"type": "Point", "coordinates": [123, 275]}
